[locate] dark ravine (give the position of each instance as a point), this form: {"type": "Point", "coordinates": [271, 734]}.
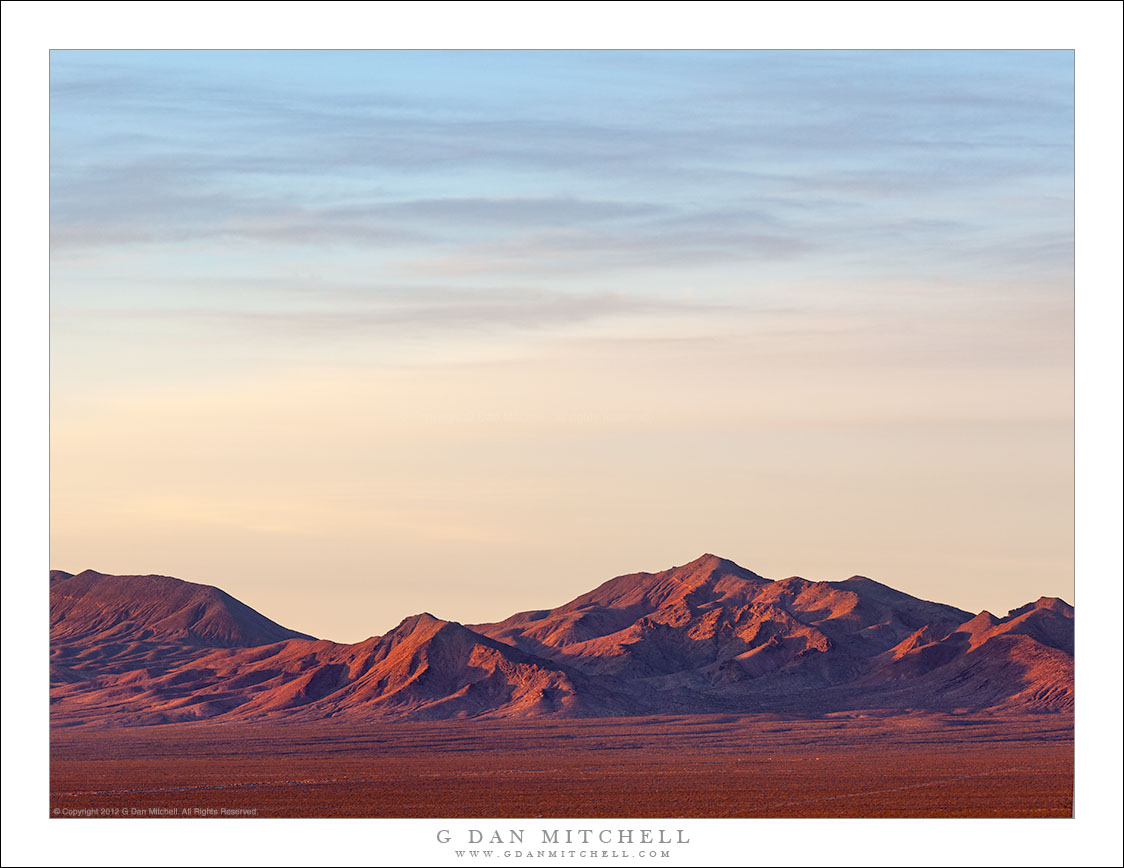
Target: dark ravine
{"type": "Point", "coordinates": [709, 636]}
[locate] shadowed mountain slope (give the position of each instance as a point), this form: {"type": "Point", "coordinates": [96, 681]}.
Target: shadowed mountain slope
{"type": "Point", "coordinates": [709, 636]}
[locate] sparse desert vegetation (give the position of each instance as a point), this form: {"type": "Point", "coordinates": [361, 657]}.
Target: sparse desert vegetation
{"type": "Point", "coordinates": [871, 765]}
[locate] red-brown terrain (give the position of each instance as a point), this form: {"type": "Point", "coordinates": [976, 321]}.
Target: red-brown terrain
{"type": "Point", "coordinates": [856, 764]}
{"type": "Point", "coordinates": [707, 637]}
{"type": "Point", "coordinates": [703, 690]}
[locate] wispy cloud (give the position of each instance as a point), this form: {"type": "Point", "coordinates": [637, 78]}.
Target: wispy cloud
{"type": "Point", "coordinates": [418, 312]}
{"type": "Point", "coordinates": [604, 180]}
{"type": "Point", "coordinates": [177, 212]}
{"type": "Point", "coordinates": [649, 248]}
{"type": "Point", "coordinates": [175, 153]}
{"type": "Point", "coordinates": [516, 296]}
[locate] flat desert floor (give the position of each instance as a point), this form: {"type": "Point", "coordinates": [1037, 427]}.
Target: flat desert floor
{"type": "Point", "coordinates": [845, 765]}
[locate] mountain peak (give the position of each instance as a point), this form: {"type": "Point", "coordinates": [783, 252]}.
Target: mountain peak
{"type": "Point", "coordinates": [1050, 604]}
{"type": "Point", "coordinates": [1056, 604]}
{"type": "Point", "coordinates": [419, 621]}
{"type": "Point", "coordinates": [423, 627]}
{"type": "Point", "coordinates": [705, 636]}
{"type": "Point", "coordinates": [710, 561]}
{"type": "Point", "coordinates": [118, 610]}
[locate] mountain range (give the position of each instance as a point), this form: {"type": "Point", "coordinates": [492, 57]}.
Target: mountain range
{"type": "Point", "coordinates": [706, 637]}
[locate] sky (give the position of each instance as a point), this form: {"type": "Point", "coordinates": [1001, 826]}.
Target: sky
{"type": "Point", "coordinates": [354, 335]}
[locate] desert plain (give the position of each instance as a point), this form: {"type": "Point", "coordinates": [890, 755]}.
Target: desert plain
{"type": "Point", "coordinates": [835, 765]}
{"type": "Point", "coordinates": [703, 690]}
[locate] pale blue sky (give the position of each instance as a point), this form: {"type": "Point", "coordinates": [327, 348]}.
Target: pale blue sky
{"type": "Point", "coordinates": [578, 170]}
{"type": "Point", "coordinates": [799, 240]}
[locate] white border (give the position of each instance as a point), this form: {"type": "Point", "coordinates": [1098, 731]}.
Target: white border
{"type": "Point", "coordinates": [1092, 29]}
